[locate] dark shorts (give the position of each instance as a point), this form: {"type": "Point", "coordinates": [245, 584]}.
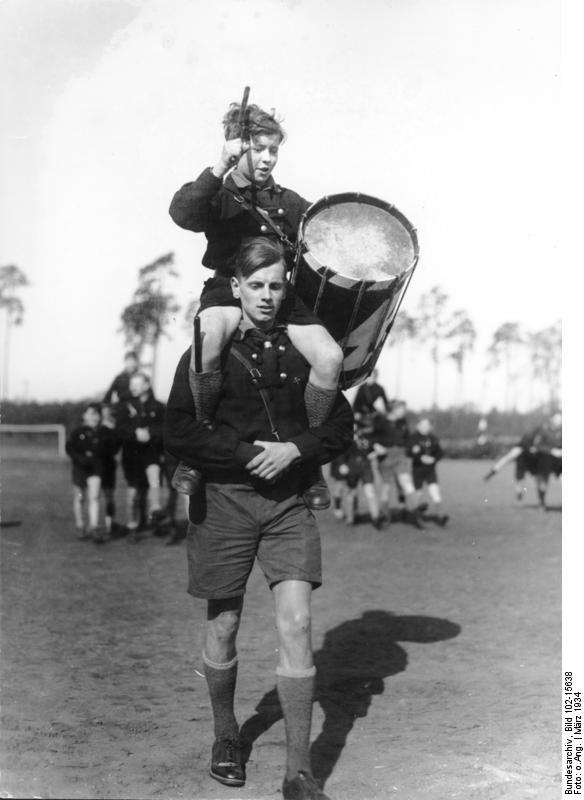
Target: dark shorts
{"type": "Point", "coordinates": [134, 468]}
{"type": "Point", "coordinates": [424, 474]}
{"type": "Point", "coordinates": [81, 474]}
{"type": "Point", "coordinates": [217, 292]}
{"type": "Point", "coordinates": [359, 472]}
{"type": "Point", "coordinates": [546, 464]}
{"type": "Point", "coordinates": [524, 464]}
{"type": "Point", "coordinates": [233, 525]}
{"type": "Point", "coordinates": [108, 478]}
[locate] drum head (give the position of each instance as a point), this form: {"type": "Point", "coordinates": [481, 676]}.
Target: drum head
{"type": "Point", "coordinates": [359, 240]}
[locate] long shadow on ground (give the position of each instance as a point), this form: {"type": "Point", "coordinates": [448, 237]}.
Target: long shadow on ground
{"type": "Point", "coordinates": [355, 658]}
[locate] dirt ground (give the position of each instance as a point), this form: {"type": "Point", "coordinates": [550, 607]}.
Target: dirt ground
{"type": "Point", "coordinates": [438, 655]}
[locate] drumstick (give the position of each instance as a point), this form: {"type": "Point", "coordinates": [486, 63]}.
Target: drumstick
{"type": "Point", "coordinates": [242, 132]}
{"type": "Point", "coordinates": [242, 110]}
{"type": "Point", "coordinates": [198, 345]}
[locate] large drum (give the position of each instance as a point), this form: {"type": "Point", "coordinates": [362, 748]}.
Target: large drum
{"type": "Point", "coordinates": [356, 255]}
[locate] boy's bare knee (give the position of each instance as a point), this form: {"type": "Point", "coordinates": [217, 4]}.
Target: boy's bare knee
{"type": "Point", "coordinates": [224, 626]}
{"type": "Point", "coordinates": [294, 625]}
{"type": "Point", "coordinates": [336, 354]}
{"type": "Point", "coordinates": [328, 361]}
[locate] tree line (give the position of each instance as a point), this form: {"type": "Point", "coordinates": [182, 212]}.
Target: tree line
{"type": "Point", "coordinates": [443, 332]}
{"type": "Point", "coordinates": [450, 334]}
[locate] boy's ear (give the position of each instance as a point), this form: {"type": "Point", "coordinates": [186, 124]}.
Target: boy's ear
{"type": "Point", "coordinates": [235, 287]}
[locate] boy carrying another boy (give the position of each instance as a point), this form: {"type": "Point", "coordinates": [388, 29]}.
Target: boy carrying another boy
{"type": "Point", "coordinates": [235, 199]}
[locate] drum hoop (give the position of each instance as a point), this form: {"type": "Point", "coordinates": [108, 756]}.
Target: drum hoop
{"type": "Point", "coordinates": [357, 197]}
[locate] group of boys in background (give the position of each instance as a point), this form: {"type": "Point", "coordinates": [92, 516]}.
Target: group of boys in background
{"type": "Point", "coordinates": [386, 457]}
{"type": "Point", "coordinates": [129, 422]}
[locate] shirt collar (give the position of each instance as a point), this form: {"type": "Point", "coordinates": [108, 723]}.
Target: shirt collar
{"type": "Point", "coordinates": [245, 330]}
{"type": "Point", "coordinates": [242, 182]}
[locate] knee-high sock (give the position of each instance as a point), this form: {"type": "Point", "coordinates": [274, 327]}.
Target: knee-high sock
{"type": "Point", "coordinates": [205, 388]}
{"type": "Point", "coordinates": [221, 679]}
{"type": "Point", "coordinates": [319, 403]}
{"type": "Point", "coordinates": [296, 693]}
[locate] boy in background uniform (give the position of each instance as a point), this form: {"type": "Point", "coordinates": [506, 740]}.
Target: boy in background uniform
{"type": "Point", "coordinates": [108, 478]}
{"type": "Point", "coordinates": [425, 451]}
{"type": "Point", "coordinates": [139, 425]}
{"type": "Point", "coordinates": [86, 447]}
{"type": "Point", "coordinates": [370, 397]}
{"type": "Point", "coordinates": [359, 474]}
{"type": "Point", "coordinates": [390, 439]}
{"type": "Point", "coordinates": [119, 391]}
{"type": "Point", "coordinates": [538, 452]}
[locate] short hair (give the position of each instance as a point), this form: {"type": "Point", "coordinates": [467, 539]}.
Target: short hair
{"type": "Point", "coordinates": [256, 122]}
{"type": "Point", "coordinates": [94, 407]}
{"type": "Point", "coordinates": [257, 252]}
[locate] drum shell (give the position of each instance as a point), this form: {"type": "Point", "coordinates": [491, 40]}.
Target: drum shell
{"type": "Point", "coordinates": [358, 314]}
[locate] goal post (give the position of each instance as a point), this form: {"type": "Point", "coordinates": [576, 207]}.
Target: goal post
{"type": "Point", "coordinates": [25, 435]}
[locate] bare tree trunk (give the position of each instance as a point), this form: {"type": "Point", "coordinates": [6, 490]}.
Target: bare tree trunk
{"type": "Point", "coordinates": [460, 387]}
{"type": "Point", "coordinates": [154, 364]}
{"type": "Point", "coordinates": [5, 375]}
{"type": "Point", "coordinates": [435, 378]}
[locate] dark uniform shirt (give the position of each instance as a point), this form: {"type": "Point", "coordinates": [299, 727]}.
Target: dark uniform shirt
{"type": "Point", "coordinates": [120, 388]}
{"type": "Point", "coordinates": [208, 205]}
{"type": "Point", "coordinates": [222, 452]}
{"type": "Point", "coordinates": [390, 433]}
{"type": "Point", "coordinates": [133, 414]}
{"type": "Point", "coordinates": [536, 456]}
{"type": "Point", "coordinates": [424, 444]}
{"type": "Point", "coordinates": [89, 448]}
{"type": "Point", "coordinates": [542, 439]}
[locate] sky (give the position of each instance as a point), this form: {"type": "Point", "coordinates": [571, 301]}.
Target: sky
{"type": "Point", "coordinates": [448, 109]}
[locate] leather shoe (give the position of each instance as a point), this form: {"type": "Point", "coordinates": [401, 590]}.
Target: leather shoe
{"type": "Point", "coordinates": [317, 496]}
{"type": "Point", "coordinates": [186, 479]}
{"type": "Point", "coordinates": [302, 787]}
{"type": "Point", "coordinates": [227, 763]}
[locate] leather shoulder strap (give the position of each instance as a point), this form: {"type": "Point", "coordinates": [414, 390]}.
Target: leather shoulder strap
{"type": "Point", "coordinates": [255, 376]}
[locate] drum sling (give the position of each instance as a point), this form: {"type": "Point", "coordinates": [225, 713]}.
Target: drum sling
{"type": "Point", "coordinates": [262, 217]}
{"type": "Point", "coordinates": [255, 378]}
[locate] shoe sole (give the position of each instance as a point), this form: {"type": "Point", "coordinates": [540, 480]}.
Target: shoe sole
{"type": "Point", "coordinates": [226, 781]}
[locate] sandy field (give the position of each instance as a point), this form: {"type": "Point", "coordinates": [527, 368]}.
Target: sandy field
{"type": "Point", "coordinates": [438, 655]}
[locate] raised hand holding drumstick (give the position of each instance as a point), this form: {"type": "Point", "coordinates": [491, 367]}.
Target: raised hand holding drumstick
{"type": "Point", "coordinates": [231, 153]}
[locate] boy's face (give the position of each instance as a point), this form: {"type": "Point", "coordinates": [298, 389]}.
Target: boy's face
{"type": "Point", "coordinates": [264, 157]}
{"type": "Point", "coordinates": [261, 294]}
{"type": "Point", "coordinates": [130, 365]}
{"type": "Point", "coordinates": [91, 417]}
{"type": "Point", "coordinates": [138, 385]}
{"type": "Point", "coordinates": [424, 427]}
{"type": "Point", "coordinates": [107, 417]}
